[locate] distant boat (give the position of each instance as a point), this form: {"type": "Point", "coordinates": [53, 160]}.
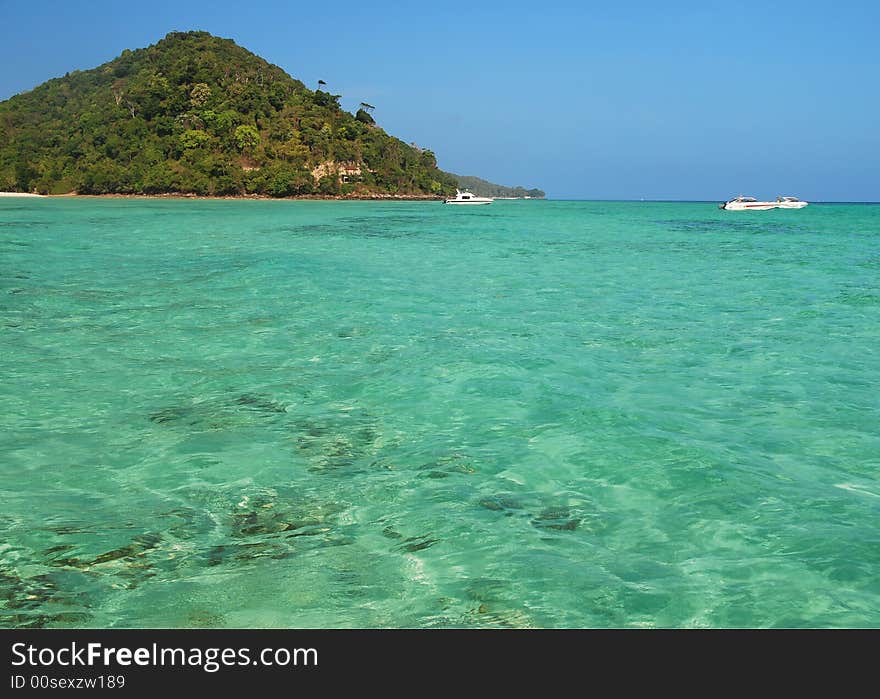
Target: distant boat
{"type": "Point", "coordinates": [790, 203]}
{"type": "Point", "coordinates": [466, 197]}
{"type": "Point", "coordinates": [742, 203]}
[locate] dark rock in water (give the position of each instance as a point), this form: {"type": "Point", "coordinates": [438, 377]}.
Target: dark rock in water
{"type": "Point", "coordinates": [137, 547]}
{"type": "Point", "coordinates": [67, 529]}
{"type": "Point", "coordinates": [16, 593]}
{"type": "Point", "coordinates": [245, 552]}
{"type": "Point", "coordinates": [348, 333]}
{"type": "Point", "coordinates": [275, 524]}
{"type": "Point", "coordinates": [448, 465]}
{"type": "Point", "coordinates": [559, 525]}
{"type": "Point", "coordinates": [33, 620]}
{"type": "Point", "coordinates": [261, 403]}
{"type": "Point", "coordinates": [216, 555]}
{"type": "Point", "coordinates": [124, 567]}
{"type": "Point", "coordinates": [57, 549]}
{"type": "Point", "coordinates": [417, 543]}
{"type": "Point", "coordinates": [257, 523]}
{"type": "Point", "coordinates": [170, 415]}
{"type": "Point", "coordinates": [218, 414]}
{"type": "Point", "coordinates": [500, 503]}
{"type": "Point", "coordinates": [558, 518]}
{"type": "Point", "coordinates": [308, 530]}
{"type": "Point", "coordinates": [77, 618]}
{"type": "Point", "coordinates": [68, 562]}
{"type": "Point", "coordinates": [250, 524]}
{"type": "Point", "coordinates": [391, 533]}
{"type": "Point", "coordinates": [41, 601]}
{"type": "Point", "coordinates": [340, 443]}
{"type": "Point", "coordinates": [491, 504]}
{"type": "Point", "coordinates": [560, 512]}
{"type": "Point", "coordinates": [202, 417]}
{"type": "Point", "coordinates": [254, 523]}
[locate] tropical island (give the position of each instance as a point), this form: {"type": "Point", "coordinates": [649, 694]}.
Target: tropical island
{"type": "Point", "coordinates": [198, 115]}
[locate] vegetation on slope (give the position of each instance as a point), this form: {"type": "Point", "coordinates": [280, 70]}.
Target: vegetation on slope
{"type": "Point", "coordinates": [482, 188]}
{"type": "Point", "coordinates": [198, 114]}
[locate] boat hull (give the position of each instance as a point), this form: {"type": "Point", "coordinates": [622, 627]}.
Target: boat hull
{"type": "Point", "coordinates": [762, 205]}
{"type": "Point", "coordinates": [470, 202]}
{"type": "Point", "coordinates": [750, 205]}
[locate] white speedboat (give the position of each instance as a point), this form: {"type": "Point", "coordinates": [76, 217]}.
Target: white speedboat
{"type": "Point", "coordinates": [742, 203]}
{"type": "Point", "coordinates": [466, 197]}
{"type": "Point", "coordinates": [790, 203]}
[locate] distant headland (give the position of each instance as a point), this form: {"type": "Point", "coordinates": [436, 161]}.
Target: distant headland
{"type": "Point", "coordinates": [198, 115]}
{"type": "Point", "coordinates": [483, 188]}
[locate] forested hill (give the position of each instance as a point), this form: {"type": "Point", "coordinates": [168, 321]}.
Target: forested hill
{"type": "Point", "coordinates": [482, 188]}
{"type": "Point", "coordinates": [198, 114]}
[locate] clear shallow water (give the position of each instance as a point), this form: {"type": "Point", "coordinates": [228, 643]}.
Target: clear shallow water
{"type": "Point", "coordinates": [534, 414]}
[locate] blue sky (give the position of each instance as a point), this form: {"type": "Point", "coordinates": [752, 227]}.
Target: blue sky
{"type": "Point", "coordinates": [623, 100]}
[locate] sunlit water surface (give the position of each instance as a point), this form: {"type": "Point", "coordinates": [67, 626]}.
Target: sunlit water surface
{"type": "Point", "coordinates": [355, 414]}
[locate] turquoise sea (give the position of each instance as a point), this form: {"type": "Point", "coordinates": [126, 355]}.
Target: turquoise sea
{"type": "Point", "coordinates": [360, 414]}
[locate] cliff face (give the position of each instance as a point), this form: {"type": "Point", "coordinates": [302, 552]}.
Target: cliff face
{"type": "Point", "coordinates": [198, 114]}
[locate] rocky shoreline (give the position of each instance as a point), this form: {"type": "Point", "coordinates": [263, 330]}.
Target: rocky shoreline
{"type": "Point", "coordinates": [262, 197]}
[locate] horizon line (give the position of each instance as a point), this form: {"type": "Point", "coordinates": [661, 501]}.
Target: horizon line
{"type": "Point", "coordinates": [694, 201]}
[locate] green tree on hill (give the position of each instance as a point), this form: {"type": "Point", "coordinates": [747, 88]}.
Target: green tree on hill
{"type": "Point", "coordinates": [246, 137]}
